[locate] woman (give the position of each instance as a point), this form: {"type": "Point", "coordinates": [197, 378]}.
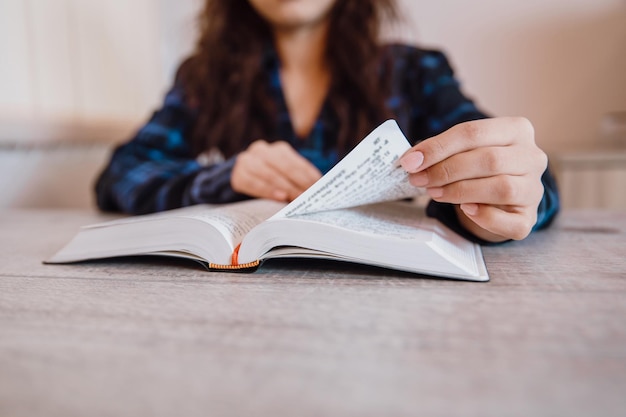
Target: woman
{"type": "Point", "coordinates": [279, 90]}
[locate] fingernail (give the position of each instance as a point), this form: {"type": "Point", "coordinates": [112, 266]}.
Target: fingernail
{"type": "Point", "coordinates": [435, 192]}
{"type": "Point", "coordinates": [469, 208]}
{"type": "Point", "coordinates": [420, 179]}
{"type": "Point", "coordinates": [412, 161]}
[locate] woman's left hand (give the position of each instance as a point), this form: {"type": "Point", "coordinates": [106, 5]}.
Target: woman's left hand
{"type": "Point", "coordinates": [491, 169]}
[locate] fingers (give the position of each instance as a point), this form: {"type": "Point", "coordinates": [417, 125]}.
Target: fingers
{"type": "Point", "coordinates": [491, 169]}
{"type": "Point", "coordinates": [480, 163]}
{"type": "Point", "coordinates": [502, 131]}
{"type": "Point", "coordinates": [272, 170]}
{"type": "Point", "coordinates": [286, 161]}
{"type": "Point", "coordinates": [507, 190]}
{"type": "Point", "coordinates": [503, 222]}
{"type": "Point", "coordinates": [256, 178]}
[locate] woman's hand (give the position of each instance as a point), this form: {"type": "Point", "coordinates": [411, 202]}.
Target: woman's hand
{"type": "Point", "coordinates": [272, 170]}
{"type": "Point", "coordinates": [490, 168]}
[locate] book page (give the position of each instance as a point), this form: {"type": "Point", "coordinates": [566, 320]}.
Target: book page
{"type": "Point", "coordinates": [232, 221]}
{"type": "Point", "coordinates": [236, 220]}
{"type": "Point", "coordinates": [394, 234]}
{"type": "Point", "coordinates": [370, 173]}
{"type": "Point", "coordinates": [390, 220]}
{"type": "Point", "coordinates": [403, 221]}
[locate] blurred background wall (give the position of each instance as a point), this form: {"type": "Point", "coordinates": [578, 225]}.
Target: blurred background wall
{"type": "Point", "coordinates": [79, 75]}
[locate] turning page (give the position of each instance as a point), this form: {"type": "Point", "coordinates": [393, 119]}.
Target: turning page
{"type": "Point", "coordinates": [370, 173]}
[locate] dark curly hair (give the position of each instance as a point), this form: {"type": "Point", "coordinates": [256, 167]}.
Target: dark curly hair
{"type": "Point", "coordinates": [223, 78]}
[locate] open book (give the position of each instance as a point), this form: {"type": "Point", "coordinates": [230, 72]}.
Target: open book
{"type": "Point", "coordinates": [352, 214]}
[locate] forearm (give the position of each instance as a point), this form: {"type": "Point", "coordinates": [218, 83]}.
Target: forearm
{"type": "Point", "coordinates": [134, 186]}
{"type": "Point", "coordinates": [212, 185]}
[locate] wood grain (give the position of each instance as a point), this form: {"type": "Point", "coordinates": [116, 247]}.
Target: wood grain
{"type": "Point", "coordinates": [151, 336]}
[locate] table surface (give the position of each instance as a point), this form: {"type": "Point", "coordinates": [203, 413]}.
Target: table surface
{"type": "Point", "coordinates": [151, 336]}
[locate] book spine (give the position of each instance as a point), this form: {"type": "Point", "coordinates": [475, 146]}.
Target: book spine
{"type": "Point", "coordinates": [249, 267]}
{"type": "Point", "coordinates": [235, 266]}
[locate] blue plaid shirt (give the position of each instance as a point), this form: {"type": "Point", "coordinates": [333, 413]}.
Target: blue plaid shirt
{"type": "Point", "coordinates": [157, 170]}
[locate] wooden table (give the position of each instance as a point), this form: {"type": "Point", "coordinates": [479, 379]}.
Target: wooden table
{"type": "Point", "coordinates": [156, 337]}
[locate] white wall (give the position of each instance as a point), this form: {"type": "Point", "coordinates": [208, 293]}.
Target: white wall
{"type": "Point", "coordinates": [561, 63]}
{"type": "Point", "coordinates": [78, 59]}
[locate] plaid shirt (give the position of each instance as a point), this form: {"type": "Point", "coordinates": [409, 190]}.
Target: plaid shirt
{"type": "Point", "coordinates": [156, 170]}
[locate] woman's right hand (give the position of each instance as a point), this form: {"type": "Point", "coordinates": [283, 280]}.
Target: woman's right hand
{"type": "Point", "coordinates": [272, 170]}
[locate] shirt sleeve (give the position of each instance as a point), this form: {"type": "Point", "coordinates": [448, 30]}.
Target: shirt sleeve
{"type": "Point", "coordinates": [156, 169]}
{"type": "Point", "coordinates": [440, 105]}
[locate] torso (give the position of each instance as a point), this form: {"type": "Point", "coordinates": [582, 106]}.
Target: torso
{"type": "Point", "coordinates": [424, 99]}
{"type": "Point", "coordinates": [304, 96]}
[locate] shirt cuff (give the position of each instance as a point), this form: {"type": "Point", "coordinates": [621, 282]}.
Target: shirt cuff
{"type": "Point", "coordinates": [212, 185]}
